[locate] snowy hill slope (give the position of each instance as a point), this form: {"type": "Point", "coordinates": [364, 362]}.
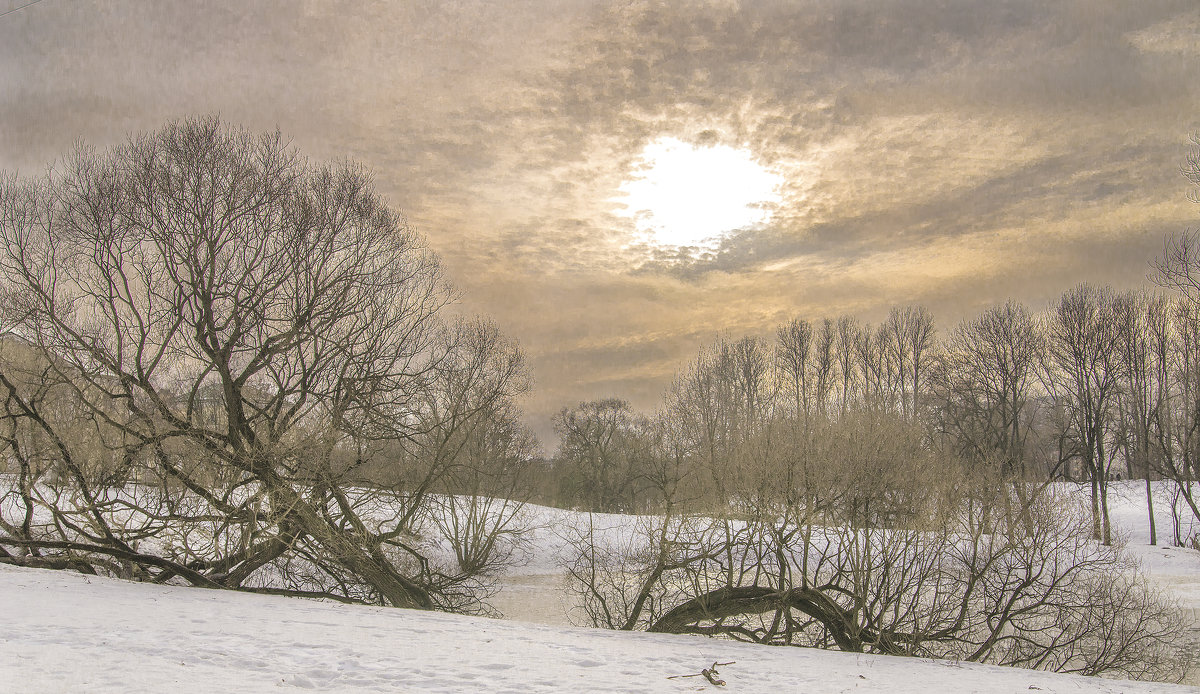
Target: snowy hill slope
{"type": "Point", "coordinates": [65, 632]}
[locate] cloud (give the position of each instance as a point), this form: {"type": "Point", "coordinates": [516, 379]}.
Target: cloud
{"type": "Point", "coordinates": [1180, 35]}
{"type": "Point", "coordinates": [952, 153]}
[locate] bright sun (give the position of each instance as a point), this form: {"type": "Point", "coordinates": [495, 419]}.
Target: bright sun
{"type": "Point", "coordinates": [684, 195]}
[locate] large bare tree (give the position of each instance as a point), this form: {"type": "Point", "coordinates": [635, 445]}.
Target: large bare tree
{"type": "Point", "coordinates": [233, 338]}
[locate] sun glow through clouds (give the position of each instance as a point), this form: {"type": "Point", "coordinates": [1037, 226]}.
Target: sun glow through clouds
{"type": "Point", "coordinates": [684, 195]}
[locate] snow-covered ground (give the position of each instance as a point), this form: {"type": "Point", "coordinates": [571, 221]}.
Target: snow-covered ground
{"type": "Point", "coordinates": [65, 632]}
{"type": "Point", "coordinates": [1175, 569]}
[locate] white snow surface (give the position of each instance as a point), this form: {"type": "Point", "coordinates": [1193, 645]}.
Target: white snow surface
{"type": "Point", "coordinates": [1175, 569]}
{"type": "Point", "coordinates": [66, 632]}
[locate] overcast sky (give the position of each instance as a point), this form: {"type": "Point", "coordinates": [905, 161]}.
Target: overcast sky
{"type": "Point", "coordinates": [950, 153]}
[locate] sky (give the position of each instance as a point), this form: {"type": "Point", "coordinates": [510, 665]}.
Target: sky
{"type": "Point", "coordinates": [953, 154]}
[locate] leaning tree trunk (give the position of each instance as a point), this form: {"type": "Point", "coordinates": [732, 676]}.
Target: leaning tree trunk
{"type": "Point", "coordinates": [346, 550]}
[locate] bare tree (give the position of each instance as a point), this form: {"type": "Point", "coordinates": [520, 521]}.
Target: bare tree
{"type": "Point", "coordinates": [602, 454]}
{"type": "Point", "coordinates": [1144, 321]}
{"type": "Point", "coordinates": [824, 364]}
{"type": "Point", "coordinates": [895, 364]}
{"type": "Point", "coordinates": [1084, 367]}
{"type": "Point", "coordinates": [1176, 345]}
{"type": "Point", "coordinates": [719, 403]}
{"type": "Point", "coordinates": [986, 376]}
{"type": "Point", "coordinates": [874, 366]}
{"type": "Point", "coordinates": [856, 532]}
{"type": "Point", "coordinates": [921, 336]}
{"type": "Point", "coordinates": [246, 334]}
{"type": "Point", "coordinates": [847, 330]}
{"type": "Point", "coordinates": [1178, 269]}
{"type": "Point", "coordinates": [792, 355]}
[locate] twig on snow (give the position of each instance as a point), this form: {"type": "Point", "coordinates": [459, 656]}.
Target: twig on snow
{"type": "Point", "coordinates": [708, 673]}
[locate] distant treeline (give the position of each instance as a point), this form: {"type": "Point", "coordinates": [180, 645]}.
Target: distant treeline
{"type": "Point", "coordinates": [1101, 385]}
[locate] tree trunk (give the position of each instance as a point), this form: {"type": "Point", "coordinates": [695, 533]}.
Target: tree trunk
{"type": "Point", "coordinates": [1150, 509]}
{"type": "Point", "coordinates": [395, 589]}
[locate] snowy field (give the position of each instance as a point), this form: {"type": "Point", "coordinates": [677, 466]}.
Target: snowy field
{"type": "Point", "coordinates": [65, 632]}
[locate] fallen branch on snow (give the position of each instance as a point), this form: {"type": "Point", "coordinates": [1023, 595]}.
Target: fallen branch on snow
{"type": "Point", "coordinates": [708, 673]}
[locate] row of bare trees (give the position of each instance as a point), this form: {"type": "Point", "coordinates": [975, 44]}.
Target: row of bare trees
{"type": "Point", "coordinates": [227, 365]}
{"type": "Point", "coordinates": [1099, 386]}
